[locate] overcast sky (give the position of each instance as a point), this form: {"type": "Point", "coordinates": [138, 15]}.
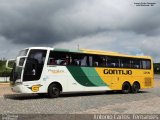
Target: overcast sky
{"type": "Point", "coordinates": [112, 25]}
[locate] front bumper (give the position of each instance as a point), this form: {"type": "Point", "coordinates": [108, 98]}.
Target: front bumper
{"type": "Point", "coordinates": [20, 88]}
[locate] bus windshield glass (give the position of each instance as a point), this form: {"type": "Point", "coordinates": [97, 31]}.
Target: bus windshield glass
{"type": "Point", "coordinates": [34, 65]}
{"type": "Point", "coordinates": [15, 74]}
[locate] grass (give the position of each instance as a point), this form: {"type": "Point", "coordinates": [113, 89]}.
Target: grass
{"type": "Point", "coordinates": [2, 66]}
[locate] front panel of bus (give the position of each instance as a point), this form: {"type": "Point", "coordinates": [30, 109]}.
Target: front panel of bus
{"type": "Point", "coordinates": [30, 67]}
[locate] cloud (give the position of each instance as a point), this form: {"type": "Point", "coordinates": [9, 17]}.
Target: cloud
{"type": "Point", "coordinates": [100, 24]}
{"type": "Point", "coordinates": [29, 22]}
{"type": "Point", "coordinates": [118, 41]}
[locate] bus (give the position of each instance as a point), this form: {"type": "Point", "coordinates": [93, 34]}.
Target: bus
{"type": "Point", "coordinates": [53, 71]}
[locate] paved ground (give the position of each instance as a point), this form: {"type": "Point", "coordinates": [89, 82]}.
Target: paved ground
{"type": "Point", "coordinates": [147, 101]}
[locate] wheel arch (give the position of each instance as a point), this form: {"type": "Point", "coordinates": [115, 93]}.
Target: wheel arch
{"type": "Point", "coordinates": [137, 83]}
{"type": "Point", "coordinates": [56, 83]}
{"type": "Point", "coordinates": [126, 82]}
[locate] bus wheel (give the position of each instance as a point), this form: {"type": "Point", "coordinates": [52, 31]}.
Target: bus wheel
{"type": "Point", "coordinates": [126, 88]}
{"type": "Point", "coordinates": [135, 87]}
{"type": "Point", "coordinates": [53, 91]}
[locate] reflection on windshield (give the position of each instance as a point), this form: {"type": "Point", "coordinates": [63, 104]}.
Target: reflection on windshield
{"type": "Point", "coordinates": [15, 74]}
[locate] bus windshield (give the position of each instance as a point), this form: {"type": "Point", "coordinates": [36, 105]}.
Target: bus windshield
{"type": "Point", "coordinates": [15, 74]}
{"type": "Point", "coordinates": [34, 65]}
{"type": "Point", "coordinates": [16, 71]}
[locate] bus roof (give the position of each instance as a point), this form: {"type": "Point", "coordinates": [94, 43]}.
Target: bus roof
{"type": "Point", "coordinates": [100, 52]}
{"type": "Point", "coordinates": [89, 51]}
{"type": "Point", "coordinates": [112, 53]}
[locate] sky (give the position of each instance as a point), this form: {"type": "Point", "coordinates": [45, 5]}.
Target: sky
{"type": "Point", "coordinates": [110, 25]}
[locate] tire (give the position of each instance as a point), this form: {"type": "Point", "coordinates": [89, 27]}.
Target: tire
{"type": "Point", "coordinates": [135, 87]}
{"type": "Point", "coordinates": [53, 91]}
{"type": "Point", "coordinates": [126, 88]}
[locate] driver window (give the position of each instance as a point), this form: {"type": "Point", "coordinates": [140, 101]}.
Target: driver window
{"type": "Point", "coordinates": [58, 58]}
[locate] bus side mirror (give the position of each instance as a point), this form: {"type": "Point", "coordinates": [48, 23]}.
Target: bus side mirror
{"type": "Point", "coordinates": [10, 61]}
{"type": "Point", "coordinates": [20, 61]}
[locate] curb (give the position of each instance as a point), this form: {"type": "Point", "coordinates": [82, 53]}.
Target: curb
{"type": "Point", "coordinates": [4, 83]}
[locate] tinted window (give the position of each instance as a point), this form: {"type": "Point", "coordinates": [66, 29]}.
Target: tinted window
{"type": "Point", "coordinates": [80, 60]}
{"type": "Point", "coordinates": [64, 58]}
{"type": "Point", "coordinates": [88, 60]}
{"type": "Point", "coordinates": [125, 63]}
{"type": "Point", "coordinates": [75, 59]}
{"type": "Point", "coordinates": [58, 58]}
{"type": "Point", "coordinates": [136, 63]}
{"type": "Point", "coordinates": [113, 62]}
{"type": "Point", "coordinates": [146, 64]}
{"type": "Point", "coordinates": [99, 61]}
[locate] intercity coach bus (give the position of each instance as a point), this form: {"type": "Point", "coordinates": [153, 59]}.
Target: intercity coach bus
{"type": "Point", "coordinates": [52, 71]}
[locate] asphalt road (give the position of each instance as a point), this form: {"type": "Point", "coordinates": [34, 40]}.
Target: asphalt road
{"type": "Point", "coordinates": [146, 101]}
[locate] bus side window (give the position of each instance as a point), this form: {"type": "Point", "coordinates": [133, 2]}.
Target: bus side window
{"type": "Point", "coordinates": [58, 58]}
{"type": "Point", "coordinates": [113, 62]}
{"type": "Point", "coordinates": [66, 60]}
{"type": "Point", "coordinates": [125, 63]}
{"type": "Point", "coordinates": [52, 61]}
{"type": "Point", "coordinates": [90, 61]}
{"type": "Point", "coordinates": [99, 61]}
{"type": "Point", "coordinates": [136, 63]}
{"type": "Point", "coordinates": [146, 64]}
{"type": "Point", "coordinates": [95, 61]}
{"type": "Point", "coordinates": [75, 62]}
{"type": "Point", "coordinates": [75, 59]}
{"type": "Point", "coordinates": [84, 61]}
{"type": "Point", "coordinates": [103, 61]}
{"type": "Point", "coordinates": [95, 64]}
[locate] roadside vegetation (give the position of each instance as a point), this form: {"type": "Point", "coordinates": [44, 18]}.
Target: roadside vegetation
{"type": "Point", "coordinates": [3, 71]}
{"type": "Point", "coordinates": [156, 68]}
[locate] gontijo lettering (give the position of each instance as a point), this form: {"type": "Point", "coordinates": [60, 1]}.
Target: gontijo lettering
{"type": "Point", "coordinates": [117, 72]}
